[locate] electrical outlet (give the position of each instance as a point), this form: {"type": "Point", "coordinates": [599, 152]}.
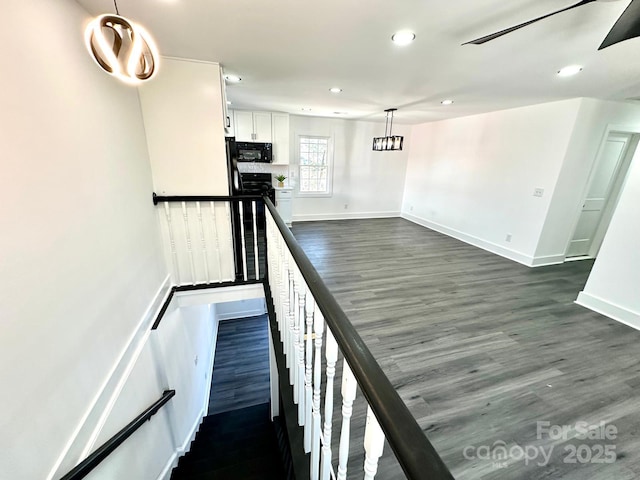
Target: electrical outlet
{"type": "Point", "coordinates": [538, 192]}
{"type": "Point", "coordinates": [508, 237]}
{"type": "Point", "coordinates": [195, 361]}
{"type": "Point", "coordinates": [346, 206]}
{"type": "Point", "coordinates": [411, 208]}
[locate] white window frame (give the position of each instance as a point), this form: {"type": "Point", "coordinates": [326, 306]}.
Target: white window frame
{"type": "Point", "coordinates": [329, 190]}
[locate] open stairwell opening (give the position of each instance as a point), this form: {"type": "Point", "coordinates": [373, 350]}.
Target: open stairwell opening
{"type": "Point", "coordinates": [239, 438]}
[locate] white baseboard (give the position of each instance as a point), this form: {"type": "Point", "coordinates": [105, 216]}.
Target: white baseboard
{"type": "Point", "coordinates": [548, 260]}
{"type": "Point", "coordinates": [608, 309]}
{"type": "Point", "coordinates": [89, 427]}
{"type": "Point", "coordinates": [472, 240]}
{"type": "Point", "coordinates": [314, 217]}
{"type": "Point", "coordinates": [243, 314]}
{"type": "Point", "coordinates": [181, 450]}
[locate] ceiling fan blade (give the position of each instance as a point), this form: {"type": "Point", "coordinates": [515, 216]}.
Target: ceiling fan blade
{"type": "Point", "coordinates": [487, 38]}
{"type": "Point", "coordinates": [627, 26]}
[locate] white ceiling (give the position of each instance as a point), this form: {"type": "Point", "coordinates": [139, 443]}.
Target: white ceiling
{"type": "Point", "coordinates": [290, 52]}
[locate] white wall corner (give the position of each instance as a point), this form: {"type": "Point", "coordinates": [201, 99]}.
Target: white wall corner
{"type": "Point", "coordinates": [514, 255]}
{"type": "Point", "coordinates": [608, 309]}
{"type": "Point", "coordinates": [88, 429]}
{"type": "Point", "coordinates": [315, 217]}
{"type": "Point", "coordinates": [181, 450]}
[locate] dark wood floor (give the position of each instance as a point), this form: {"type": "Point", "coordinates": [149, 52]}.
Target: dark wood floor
{"type": "Point", "coordinates": [481, 348]}
{"type": "Point", "coordinates": [241, 366]}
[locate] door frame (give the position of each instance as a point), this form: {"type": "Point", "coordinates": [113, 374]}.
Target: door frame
{"type": "Point", "coordinates": [609, 129]}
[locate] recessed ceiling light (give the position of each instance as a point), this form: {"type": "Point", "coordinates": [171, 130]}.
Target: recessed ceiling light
{"type": "Point", "coordinates": [232, 78]}
{"type": "Point", "coordinates": [569, 70]}
{"type": "Point", "coordinates": [446, 102]}
{"type": "Point", "coordinates": [335, 90]}
{"type": "Point", "coordinates": [403, 37]}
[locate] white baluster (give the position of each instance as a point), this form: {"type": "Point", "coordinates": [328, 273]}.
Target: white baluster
{"type": "Point", "coordinates": [215, 238]}
{"type": "Point", "coordinates": [295, 314]}
{"type": "Point", "coordinates": [301, 288]}
{"type": "Point", "coordinates": [349, 385]}
{"type": "Point", "coordinates": [373, 445]}
{"type": "Point", "coordinates": [316, 429]}
{"type": "Point", "coordinates": [243, 241]}
{"type": "Point", "coordinates": [284, 294]}
{"type": "Point", "coordinates": [308, 372]}
{"type": "Point", "coordinates": [331, 353]}
{"type": "Point", "coordinates": [293, 346]}
{"type": "Point", "coordinates": [255, 240]}
{"type": "Point", "coordinates": [284, 313]}
{"type": "Point", "coordinates": [187, 236]}
{"type": "Point", "coordinates": [172, 243]}
{"type": "Point", "coordinates": [204, 243]}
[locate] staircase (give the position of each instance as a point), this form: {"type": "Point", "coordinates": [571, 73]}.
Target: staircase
{"type": "Point", "coordinates": [236, 445]}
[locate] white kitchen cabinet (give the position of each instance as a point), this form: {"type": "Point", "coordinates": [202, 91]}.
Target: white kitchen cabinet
{"type": "Point", "coordinates": [252, 126]}
{"type": "Point", "coordinates": [230, 129]}
{"type": "Point", "coordinates": [262, 127]}
{"type": "Point", "coordinates": [280, 132]}
{"type": "Point", "coordinates": [226, 114]}
{"type": "Point", "coordinates": [284, 204]}
{"type": "Point", "coordinates": [243, 125]}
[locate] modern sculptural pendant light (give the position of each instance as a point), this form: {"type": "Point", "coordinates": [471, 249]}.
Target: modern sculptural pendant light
{"type": "Point", "coordinates": [122, 48]}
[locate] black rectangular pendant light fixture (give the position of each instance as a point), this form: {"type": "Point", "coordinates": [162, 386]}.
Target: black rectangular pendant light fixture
{"type": "Point", "coordinates": [389, 141]}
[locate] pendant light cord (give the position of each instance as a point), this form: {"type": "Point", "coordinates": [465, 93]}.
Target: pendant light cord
{"type": "Point", "coordinates": [115, 3]}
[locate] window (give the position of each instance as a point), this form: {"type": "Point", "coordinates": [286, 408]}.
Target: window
{"type": "Point", "coordinates": [314, 154]}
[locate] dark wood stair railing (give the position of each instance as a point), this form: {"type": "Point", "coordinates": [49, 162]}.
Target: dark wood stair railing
{"type": "Point", "coordinates": [413, 450]}
{"type": "Point", "coordinates": [92, 461]}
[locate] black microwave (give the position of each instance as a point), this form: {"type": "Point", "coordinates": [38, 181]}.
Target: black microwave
{"type": "Point", "coordinates": [254, 152]}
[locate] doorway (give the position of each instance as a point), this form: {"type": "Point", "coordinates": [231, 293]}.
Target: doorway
{"type": "Point", "coordinates": [603, 192]}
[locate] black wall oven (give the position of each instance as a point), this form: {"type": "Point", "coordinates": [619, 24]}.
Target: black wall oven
{"type": "Point", "coordinates": [254, 152]}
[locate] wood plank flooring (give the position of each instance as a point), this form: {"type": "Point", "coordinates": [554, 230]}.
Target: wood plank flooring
{"type": "Point", "coordinates": [241, 365]}
{"type": "Point", "coordinates": [481, 348]}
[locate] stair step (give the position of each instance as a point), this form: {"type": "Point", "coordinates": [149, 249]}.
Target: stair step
{"type": "Point", "coordinates": [222, 459]}
{"type": "Point", "coordinates": [239, 445]}
{"type": "Point", "coordinates": [218, 448]}
{"type": "Point", "coordinates": [256, 412]}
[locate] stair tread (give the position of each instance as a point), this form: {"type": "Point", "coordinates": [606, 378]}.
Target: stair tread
{"type": "Point", "coordinates": [239, 445]}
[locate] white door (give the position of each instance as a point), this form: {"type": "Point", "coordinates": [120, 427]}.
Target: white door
{"type": "Point", "coordinates": [243, 126]}
{"type": "Point", "coordinates": [262, 127]}
{"type": "Point", "coordinates": [609, 167]}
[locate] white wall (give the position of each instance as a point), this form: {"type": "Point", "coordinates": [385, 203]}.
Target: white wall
{"type": "Point", "coordinates": [81, 257]}
{"type": "Point", "coordinates": [474, 177]}
{"type": "Point", "coordinates": [369, 183]}
{"type": "Point", "coordinates": [251, 307]}
{"type": "Point", "coordinates": [185, 129]}
{"type": "Point", "coordinates": [145, 453]}
{"type": "Point", "coordinates": [595, 119]}
{"type": "Point", "coordinates": [613, 287]}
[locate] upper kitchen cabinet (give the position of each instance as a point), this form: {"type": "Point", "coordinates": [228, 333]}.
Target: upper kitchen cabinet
{"type": "Point", "coordinates": [226, 114]}
{"type": "Point", "coordinates": [280, 130]}
{"type": "Point", "coordinates": [230, 126]}
{"type": "Point", "coordinates": [252, 126]}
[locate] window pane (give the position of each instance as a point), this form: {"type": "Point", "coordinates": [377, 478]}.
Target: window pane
{"type": "Point", "coordinates": [314, 164]}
